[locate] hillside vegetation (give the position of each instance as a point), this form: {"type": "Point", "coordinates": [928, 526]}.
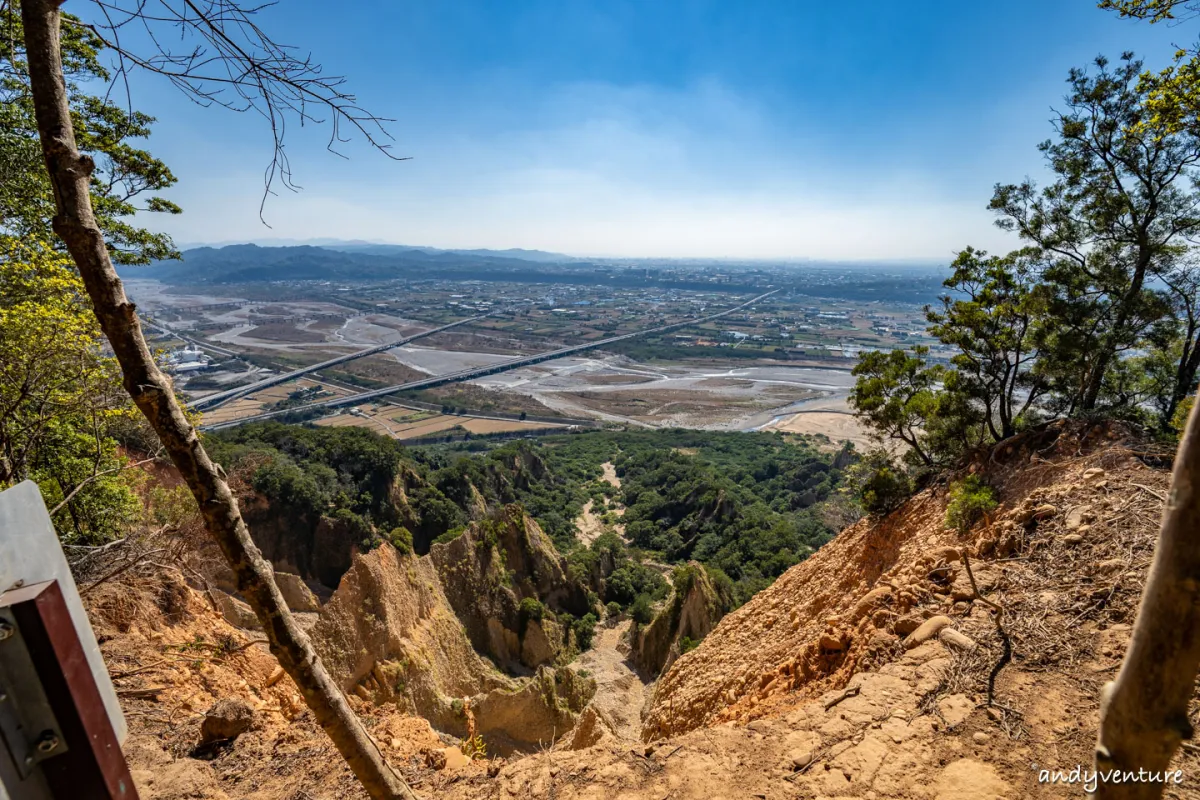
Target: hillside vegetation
{"type": "Point", "coordinates": [747, 506]}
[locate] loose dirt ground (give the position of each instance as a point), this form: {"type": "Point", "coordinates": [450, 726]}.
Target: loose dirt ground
{"type": "Point", "coordinates": [590, 526]}
{"type": "Point", "coordinates": [838, 426]}
{"type": "Point", "coordinates": [621, 691]}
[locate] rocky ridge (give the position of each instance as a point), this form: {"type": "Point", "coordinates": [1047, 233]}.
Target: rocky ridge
{"type": "Point", "coordinates": [862, 672]}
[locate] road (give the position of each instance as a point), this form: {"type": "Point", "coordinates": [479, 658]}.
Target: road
{"type": "Point", "coordinates": [209, 402]}
{"type": "Point", "coordinates": [479, 372]}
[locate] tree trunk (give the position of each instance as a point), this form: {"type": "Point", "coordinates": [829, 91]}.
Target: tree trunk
{"type": "Point", "coordinates": [1143, 713]}
{"type": "Point", "coordinates": [1185, 375]}
{"type": "Point", "coordinates": [1108, 345]}
{"type": "Point", "coordinates": [75, 223]}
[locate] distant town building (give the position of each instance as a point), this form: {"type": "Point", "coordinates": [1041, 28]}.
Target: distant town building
{"type": "Point", "coordinates": [187, 359]}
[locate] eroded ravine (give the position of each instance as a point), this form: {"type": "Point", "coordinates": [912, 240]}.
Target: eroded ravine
{"type": "Point", "coordinates": [621, 691]}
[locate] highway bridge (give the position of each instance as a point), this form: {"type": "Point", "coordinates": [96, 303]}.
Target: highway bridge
{"type": "Point", "coordinates": [209, 402]}
{"type": "Point", "coordinates": [479, 372]}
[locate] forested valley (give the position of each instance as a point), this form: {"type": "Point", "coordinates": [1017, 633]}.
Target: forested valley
{"type": "Point", "coordinates": [747, 506]}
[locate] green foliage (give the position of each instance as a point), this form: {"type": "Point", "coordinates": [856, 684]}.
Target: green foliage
{"type": "Point", "coordinates": [642, 610]}
{"type": "Point", "coordinates": [310, 472]}
{"type": "Point", "coordinates": [585, 631]}
{"type": "Point", "coordinates": [450, 535]}
{"type": "Point", "coordinates": [401, 539]}
{"type": "Point", "coordinates": [612, 610]}
{"type": "Point", "coordinates": [63, 412]}
{"type": "Point", "coordinates": [1179, 421]}
{"type": "Point", "coordinates": [970, 500]}
{"type": "Point", "coordinates": [1099, 313]}
{"type": "Point", "coordinates": [1153, 10]}
{"type": "Point", "coordinates": [747, 504]}
{"type": "Point", "coordinates": [633, 579]}
{"type": "Point", "coordinates": [687, 644]}
{"type": "Point", "coordinates": [994, 319]}
{"type": "Point", "coordinates": [1118, 214]}
{"type": "Point", "coordinates": [531, 609]}
{"type": "Point", "coordinates": [896, 395]}
{"type": "Point", "coordinates": [104, 130]}
{"type": "Point", "coordinates": [878, 483]}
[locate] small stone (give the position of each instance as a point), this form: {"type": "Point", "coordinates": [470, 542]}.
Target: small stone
{"type": "Point", "coordinates": [928, 629]}
{"type": "Point", "coordinates": [830, 642]}
{"type": "Point", "coordinates": [1072, 539]}
{"type": "Point", "coordinates": [994, 714]}
{"type": "Point", "coordinates": [275, 677]}
{"type": "Point", "coordinates": [1045, 511]}
{"type": "Point", "coordinates": [1095, 473]}
{"type": "Point", "coordinates": [227, 719]}
{"type": "Point", "coordinates": [947, 554]}
{"type": "Point", "coordinates": [956, 640]}
{"type": "Point", "coordinates": [800, 759]}
{"type": "Point", "coordinates": [882, 640]}
{"type": "Point", "coordinates": [435, 759]}
{"type": "Point", "coordinates": [1079, 516]}
{"type": "Point", "coordinates": [906, 625]}
{"type": "Point", "coordinates": [980, 737]}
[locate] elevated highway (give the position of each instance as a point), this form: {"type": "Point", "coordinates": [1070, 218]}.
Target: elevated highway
{"type": "Point", "coordinates": [212, 401]}
{"type": "Point", "coordinates": [479, 372]}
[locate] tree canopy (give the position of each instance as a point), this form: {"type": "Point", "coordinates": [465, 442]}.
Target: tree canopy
{"type": "Point", "coordinates": [62, 407]}
{"type": "Point", "coordinates": [127, 177]}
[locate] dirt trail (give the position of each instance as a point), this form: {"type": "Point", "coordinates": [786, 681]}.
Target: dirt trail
{"type": "Point", "coordinates": [589, 524]}
{"type": "Point", "coordinates": [610, 474]}
{"type": "Point", "coordinates": [621, 692]}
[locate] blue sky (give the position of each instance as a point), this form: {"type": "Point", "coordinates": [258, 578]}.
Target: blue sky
{"type": "Point", "coordinates": [741, 128]}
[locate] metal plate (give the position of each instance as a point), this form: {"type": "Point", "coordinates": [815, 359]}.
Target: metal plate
{"type": "Point", "coordinates": [28, 727]}
{"type": "Point", "coordinates": [31, 553]}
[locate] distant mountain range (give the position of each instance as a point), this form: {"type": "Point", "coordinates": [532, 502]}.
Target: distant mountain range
{"type": "Point", "coordinates": [380, 249]}
{"type": "Point", "coordinates": [374, 263]}
{"type": "Point", "coordinates": [250, 263]}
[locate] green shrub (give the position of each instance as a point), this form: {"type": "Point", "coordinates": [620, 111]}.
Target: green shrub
{"type": "Point", "coordinates": [612, 610]}
{"type": "Point", "coordinates": [531, 608]}
{"type": "Point", "coordinates": [585, 630]}
{"type": "Point", "coordinates": [449, 536]}
{"type": "Point", "coordinates": [687, 644]}
{"type": "Point", "coordinates": [401, 539]}
{"type": "Point", "coordinates": [641, 611]}
{"type": "Point", "coordinates": [879, 484]}
{"type": "Point", "coordinates": [970, 499]}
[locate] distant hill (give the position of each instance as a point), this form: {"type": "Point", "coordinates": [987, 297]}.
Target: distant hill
{"type": "Point", "coordinates": [367, 263]}
{"type": "Point", "coordinates": [539, 256]}
{"type": "Point", "coordinates": [381, 249]}
{"type": "Point", "coordinates": [250, 263]}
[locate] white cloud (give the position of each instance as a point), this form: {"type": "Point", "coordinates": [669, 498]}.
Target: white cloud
{"type": "Point", "coordinates": [605, 170]}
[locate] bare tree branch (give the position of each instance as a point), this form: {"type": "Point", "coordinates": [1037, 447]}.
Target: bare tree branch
{"type": "Point", "coordinates": [224, 58]}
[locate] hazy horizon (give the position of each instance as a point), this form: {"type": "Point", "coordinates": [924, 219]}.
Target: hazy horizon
{"type": "Point", "coordinates": [329, 242]}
